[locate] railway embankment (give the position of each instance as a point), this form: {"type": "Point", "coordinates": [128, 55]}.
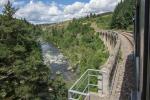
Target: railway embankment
{"type": "Point", "coordinates": [118, 74]}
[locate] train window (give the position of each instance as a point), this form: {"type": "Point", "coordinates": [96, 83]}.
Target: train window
{"type": "Point", "coordinates": [148, 65]}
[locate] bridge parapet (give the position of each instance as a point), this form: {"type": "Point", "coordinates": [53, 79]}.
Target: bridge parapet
{"type": "Point", "coordinates": [110, 39]}
{"type": "Point", "coordinates": [112, 42]}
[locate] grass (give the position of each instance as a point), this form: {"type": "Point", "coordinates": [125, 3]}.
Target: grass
{"type": "Point", "coordinates": [103, 22]}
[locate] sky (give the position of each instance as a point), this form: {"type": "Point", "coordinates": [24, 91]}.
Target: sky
{"type": "Point", "coordinates": [53, 11]}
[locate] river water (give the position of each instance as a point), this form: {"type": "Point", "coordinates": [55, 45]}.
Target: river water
{"type": "Point", "coordinates": [56, 61]}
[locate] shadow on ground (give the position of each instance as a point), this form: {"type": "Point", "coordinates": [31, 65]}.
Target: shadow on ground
{"type": "Point", "coordinates": [129, 79]}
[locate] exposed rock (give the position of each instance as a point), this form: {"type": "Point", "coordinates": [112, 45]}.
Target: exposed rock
{"type": "Point", "coordinates": [69, 68]}
{"type": "Point", "coordinates": [72, 70]}
{"type": "Point", "coordinates": [50, 89]}
{"type": "Point", "coordinates": [58, 72]}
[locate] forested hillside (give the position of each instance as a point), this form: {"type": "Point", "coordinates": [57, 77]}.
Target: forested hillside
{"type": "Point", "coordinates": [101, 20]}
{"type": "Point", "coordinates": [80, 44]}
{"type": "Point", "coordinates": [123, 15]}
{"type": "Point", "coordinates": [22, 73]}
{"type": "Point", "coordinates": [23, 76]}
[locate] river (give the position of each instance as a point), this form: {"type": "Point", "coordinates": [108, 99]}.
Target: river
{"type": "Point", "coordinates": [56, 61]}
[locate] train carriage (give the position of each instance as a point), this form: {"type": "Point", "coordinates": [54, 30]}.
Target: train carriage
{"type": "Point", "coordinates": [142, 49]}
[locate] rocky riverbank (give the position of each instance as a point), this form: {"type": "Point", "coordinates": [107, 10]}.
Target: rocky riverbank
{"type": "Point", "coordinates": [56, 61]}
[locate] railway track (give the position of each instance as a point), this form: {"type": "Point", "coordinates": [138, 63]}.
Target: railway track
{"type": "Point", "coordinates": [129, 34]}
{"type": "Point", "coordinates": [123, 80]}
{"type": "Point", "coordinates": [129, 37]}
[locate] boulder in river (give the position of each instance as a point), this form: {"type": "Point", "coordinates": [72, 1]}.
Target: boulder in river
{"type": "Point", "coordinates": [58, 72]}
{"type": "Point", "coordinates": [69, 68]}
{"type": "Point", "coordinates": [50, 89]}
{"type": "Point", "coordinates": [72, 70]}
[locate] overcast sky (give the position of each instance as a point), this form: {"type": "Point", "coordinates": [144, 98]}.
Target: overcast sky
{"type": "Point", "coordinates": [51, 11]}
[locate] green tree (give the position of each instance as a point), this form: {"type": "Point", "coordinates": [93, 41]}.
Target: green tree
{"type": "Point", "coordinates": [79, 43]}
{"type": "Point", "coordinates": [123, 14]}
{"type": "Point", "coordinates": [22, 73]}
{"type": "Point", "coordinates": [9, 11]}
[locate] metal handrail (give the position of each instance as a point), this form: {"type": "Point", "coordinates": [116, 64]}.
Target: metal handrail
{"type": "Point", "coordinates": [75, 94]}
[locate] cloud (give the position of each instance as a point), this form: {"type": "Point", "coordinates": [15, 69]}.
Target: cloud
{"type": "Point", "coordinates": [76, 7]}
{"type": "Point", "coordinates": [39, 12]}
{"type": "Point", "coordinates": [3, 2]}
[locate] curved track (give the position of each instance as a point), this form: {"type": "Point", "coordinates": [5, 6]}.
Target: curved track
{"type": "Point", "coordinates": [124, 81]}
{"type": "Point", "coordinates": [129, 37]}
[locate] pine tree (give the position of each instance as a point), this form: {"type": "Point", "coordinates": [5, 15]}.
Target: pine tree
{"type": "Point", "coordinates": [22, 74]}
{"type": "Point", "coordinates": [9, 10]}
{"type": "Point", "coordinates": [123, 14]}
